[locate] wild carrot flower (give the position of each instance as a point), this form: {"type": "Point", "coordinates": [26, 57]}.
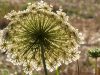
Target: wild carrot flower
{"type": "Point", "coordinates": [37, 36]}
{"type": "Point", "coordinates": [94, 53]}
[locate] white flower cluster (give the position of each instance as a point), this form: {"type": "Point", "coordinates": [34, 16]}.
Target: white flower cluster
{"type": "Point", "coordinates": [11, 15]}
{"type": "Point", "coordinates": [63, 49]}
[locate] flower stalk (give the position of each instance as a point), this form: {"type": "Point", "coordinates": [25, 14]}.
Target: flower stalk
{"type": "Point", "coordinates": [43, 60]}
{"type": "Point", "coordinates": [96, 71]}
{"type": "Point", "coordinates": [78, 68]}
{"type": "Point", "coordinates": [57, 71]}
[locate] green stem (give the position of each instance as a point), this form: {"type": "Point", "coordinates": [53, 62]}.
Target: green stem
{"type": "Point", "coordinates": [95, 66]}
{"type": "Point", "coordinates": [78, 69]}
{"type": "Point", "coordinates": [43, 60]}
{"type": "Point", "coordinates": [57, 71]}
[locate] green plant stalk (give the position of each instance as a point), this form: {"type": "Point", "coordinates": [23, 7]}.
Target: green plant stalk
{"type": "Point", "coordinates": [43, 60]}
{"type": "Point", "coordinates": [78, 69]}
{"type": "Point", "coordinates": [57, 71]}
{"type": "Point", "coordinates": [96, 66]}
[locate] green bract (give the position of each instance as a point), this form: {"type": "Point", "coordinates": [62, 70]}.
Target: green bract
{"type": "Point", "coordinates": [94, 53]}
{"type": "Point", "coordinates": [36, 31]}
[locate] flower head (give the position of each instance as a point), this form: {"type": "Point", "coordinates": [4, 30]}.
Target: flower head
{"type": "Point", "coordinates": [39, 28]}
{"type": "Point", "coordinates": [94, 53]}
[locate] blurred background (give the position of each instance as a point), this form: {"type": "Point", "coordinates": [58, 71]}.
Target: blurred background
{"type": "Point", "coordinates": [83, 15]}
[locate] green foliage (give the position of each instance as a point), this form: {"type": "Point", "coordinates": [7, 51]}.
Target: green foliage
{"type": "Point", "coordinates": [94, 53]}
{"type": "Point", "coordinates": [5, 72]}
